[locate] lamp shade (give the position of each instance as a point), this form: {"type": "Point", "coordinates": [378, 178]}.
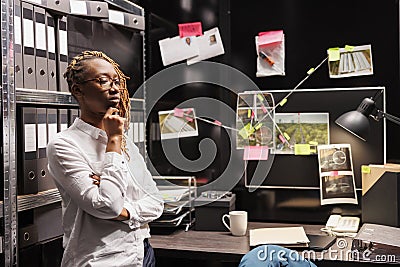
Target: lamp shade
{"type": "Point", "coordinates": [356, 121]}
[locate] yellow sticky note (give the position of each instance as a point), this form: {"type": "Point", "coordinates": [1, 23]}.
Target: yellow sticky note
{"type": "Point", "coordinates": [283, 102]}
{"type": "Point", "coordinates": [313, 143]}
{"type": "Point", "coordinates": [246, 131]}
{"type": "Point", "coordinates": [310, 71]}
{"type": "Point", "coordinates": [365, 169]}
{"type": "Point", "coordinates": [286, 136]}
{"type": "Point", "coordinates": [334, 54]}
{"type": "Point", "coordinates": [258, 126]}
{"type": "Point", "coordinates": [302, 149]}
{"type": "Point", "coordinates": [260, 97]}
{"type": "Point", "coordinates": [313, 151]}
{"type": "Point", "coordinates": [248, 113]}
{"type": "Point", "coordinates": [349, 48]}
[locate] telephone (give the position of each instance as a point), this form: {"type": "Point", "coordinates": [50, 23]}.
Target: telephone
{"type": "Point", "coordinates": [337, 223]}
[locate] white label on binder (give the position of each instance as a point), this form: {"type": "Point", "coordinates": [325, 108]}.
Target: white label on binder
{"type": "Point", "coordinates": [141, 132]}
{"type": "Point", "coordinates": [63, 43]}
{"type": "Point", "coordinates": [30, 137]}
{"type": "Point", "coordinates": [42, 135]}
{"type": "Point", "coordinates": [78, 7]}
{"type": "Point", "coordinates": [29, 38]}
{"type": "Point", "coordinates": [51, 44]}
{"type": "Point", "coordinates": [40, 36]}
{"type": "Point", "coordinates": [136, 132]}
{"type": "Point", "coordinates": [52, 130]}
{"type": "Point", "coordinates": [63, 126]}
{"type": "Point", "coordinates": [116, 17]}
{"type": "Point", "coordinates": [17, 30]}
{"type": "Point", "coordinates": [130, 131]}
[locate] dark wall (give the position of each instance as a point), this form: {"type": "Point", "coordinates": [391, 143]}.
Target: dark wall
{"type": "Point", "coordinates": [310, 27]}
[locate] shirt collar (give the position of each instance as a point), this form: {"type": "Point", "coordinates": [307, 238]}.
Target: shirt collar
{"type": "Point", "coordinates": [89, 129]}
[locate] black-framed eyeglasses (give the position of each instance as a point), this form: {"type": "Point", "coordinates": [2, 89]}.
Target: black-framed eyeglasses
{"type": "Point", "coordinates": [105, 82]}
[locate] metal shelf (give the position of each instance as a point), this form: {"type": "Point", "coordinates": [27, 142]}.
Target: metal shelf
{"type": "Point", "coordinates": [31, 96]}
{"type": "Point", "coordinates": [127, 6]}
{"type": "Point", "coordinates": [26, 202]}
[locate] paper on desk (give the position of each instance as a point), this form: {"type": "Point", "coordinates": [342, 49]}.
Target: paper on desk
{"type": "Point", "coordinates": [210, 45]}
{"type": "Point", "coordinates": [286, 236]}
{"type": "Point", "coordinates": [176, 49]}
{"type": "Point", "coordinates": [173, 194]}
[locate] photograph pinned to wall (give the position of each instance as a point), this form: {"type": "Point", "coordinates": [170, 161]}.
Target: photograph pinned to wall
{"type": "Point", "coordinates": [301, 133]}
{"type": "Point", "coordinates": [177, 49]}
{"type": "Point", "coordinates": [270, 47]}
{"type": "Point", "coordinates": [337, 184]}
{"type": "Point", "coordinates": [255, 120]}
{"type": "Point", "coordinates": [350, 61]}
{"type": "Point", "coordinates": [178, 123]}
{"type": "Point", "coordinates": [210, 45]}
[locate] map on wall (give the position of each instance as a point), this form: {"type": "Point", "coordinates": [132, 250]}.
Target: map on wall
{"type": "Point", "coordinates": [255, 120]}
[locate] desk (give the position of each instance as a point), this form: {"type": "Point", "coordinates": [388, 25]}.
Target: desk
{"type": "Point", "coordinates": [223, 247]}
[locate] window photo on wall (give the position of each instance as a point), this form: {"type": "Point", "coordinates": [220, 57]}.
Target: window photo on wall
{"type": "Point", "coordinates": [336, 174]}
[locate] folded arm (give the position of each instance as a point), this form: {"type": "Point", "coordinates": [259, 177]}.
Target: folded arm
{"type": "Point", "coordinates": [70, 169]}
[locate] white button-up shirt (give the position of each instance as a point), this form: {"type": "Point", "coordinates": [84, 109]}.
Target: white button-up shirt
{"type": "Point", "coordinates": [91, 237]}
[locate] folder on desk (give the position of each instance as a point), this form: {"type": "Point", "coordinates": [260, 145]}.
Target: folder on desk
{"type": "Point", "coordinates": [93, 9]}
{"type": "Point", "coordinates": [63, 52]}
{"type": "Point", "coordinates": [51, 123]}
{"type": "Point", "coordinates": [51, 52]}
{"type": "Point", "coordinates": [42, 82]}
{"type": "Point", "coordinates": [27, 153]}
{"type": "Point", "coordinates": [19, 77]}
{"type": "Point", "coordinates": [294, 237]}
{"type": "Point", "coordinates": [28, 40]}
{"type": "Point", "coordinates": [62, 119]}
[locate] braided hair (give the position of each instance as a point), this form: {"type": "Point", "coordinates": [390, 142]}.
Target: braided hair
{"type": "Point", "coordinates": [76, 72]}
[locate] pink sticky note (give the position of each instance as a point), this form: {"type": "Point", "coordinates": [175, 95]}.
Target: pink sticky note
{"type": "Point", "coordinates": [252, 114]}
{"type": "Point", "coordinates": [218, 123]}
{"type": "Point", "coordinates": [334, 173]}
{"type": "Point", "coordinates": [255, 153]}
{"type": "Point", "coordinates": [264, 109]}
{"type": "Point", "coordinates": [270, 37]}
{"type": "Point", "coordinates": [178, 112]}
{"type": "Point", "coordinates": [189, 119]}
{"type": "Point", "coordinates": [283, 140]}
{"type": "Point", "coordinates": [190, 29]}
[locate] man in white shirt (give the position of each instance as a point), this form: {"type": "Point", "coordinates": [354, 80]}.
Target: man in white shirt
{"type": "Point", "coordinates": [108, 195]}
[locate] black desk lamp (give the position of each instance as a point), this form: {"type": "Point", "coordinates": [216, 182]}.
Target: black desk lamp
{"type": "Point", "coordinates": [356, 121]}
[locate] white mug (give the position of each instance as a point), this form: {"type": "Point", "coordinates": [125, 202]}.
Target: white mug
{"type": "Point", "coordinates": [237, 222]}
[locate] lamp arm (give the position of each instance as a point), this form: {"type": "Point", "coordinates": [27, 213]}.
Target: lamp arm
{"type": "Point", "coordinates": [387, 116]}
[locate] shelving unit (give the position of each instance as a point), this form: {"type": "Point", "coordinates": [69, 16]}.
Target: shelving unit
{"type": "Point", "coordinates": [179, 194]}
{"type": "Point", "coordinates": [12, 203]}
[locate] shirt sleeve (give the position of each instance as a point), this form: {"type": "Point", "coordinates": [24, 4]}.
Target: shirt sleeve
{"type": "Point", "coordinates": [72, 172]}
{"type": "Point", "coordinates": [150, 205]}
